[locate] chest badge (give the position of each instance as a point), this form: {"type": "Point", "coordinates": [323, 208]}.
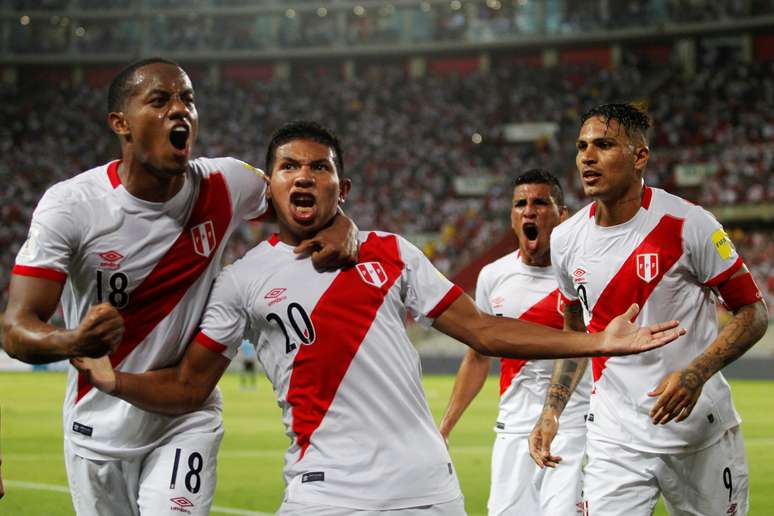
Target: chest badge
{"type": "Point", "coordinates": [647, 266]}
{"type": "Point", "coordinates": [372, 273]}
{"type": "Point", "coordinates": [203, 237]}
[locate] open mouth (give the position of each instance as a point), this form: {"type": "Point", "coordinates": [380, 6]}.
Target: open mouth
{"type": "Point", "coordinates": [530, 231]}
{"type": "Point", "coordinates": [178, 137]}
{"type": "Point", "coordinates": [591, 174]}
{"type": "Point", "coordinates": [302, 205]}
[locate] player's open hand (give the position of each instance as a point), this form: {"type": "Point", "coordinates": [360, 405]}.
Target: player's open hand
{"type": "Point", "coordinates": [677, 395]}
{"type": "Point", "coordinates": [98, 372]}
{"type": "Point", "coordinates": [540, 440]}
{"type": "Point", "coordinates": [99, 333]}
{"type": "Point", "coordinates": [622, 337]}
{"type": "Point", "coordinates": [333, 247]}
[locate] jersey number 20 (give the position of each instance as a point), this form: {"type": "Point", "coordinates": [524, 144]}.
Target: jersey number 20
{"type": "Point", "coordinates": [295, 312]}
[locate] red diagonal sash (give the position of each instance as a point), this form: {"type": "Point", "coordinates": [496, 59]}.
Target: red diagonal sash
{"type": "Point", "coordinates": [545, 312]}
{"type": "Point", "coordinates": [341, 319]}
{"type": "Point", "coordinates": [161, 291]}
{"type": "Point", "coordinates": [627, 287]}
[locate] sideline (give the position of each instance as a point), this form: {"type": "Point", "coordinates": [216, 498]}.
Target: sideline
{"type": "Point", "coordinates": [62, 489]}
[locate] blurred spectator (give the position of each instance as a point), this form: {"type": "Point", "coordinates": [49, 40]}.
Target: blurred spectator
{"type": "Point", "coordinates": [408, 139]}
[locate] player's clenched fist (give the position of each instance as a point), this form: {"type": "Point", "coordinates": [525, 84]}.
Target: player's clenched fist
{"type": "Point", "coordinates": [99, 333]}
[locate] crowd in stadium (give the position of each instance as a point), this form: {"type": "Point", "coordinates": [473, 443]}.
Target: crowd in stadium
{"type": "Point", "coordinates": [407, 139]}
{"type": "Point", "coordinates": [177, 28]}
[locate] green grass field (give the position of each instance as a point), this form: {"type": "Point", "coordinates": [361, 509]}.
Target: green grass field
{"type": "Point", "coordinates": [249, 480]}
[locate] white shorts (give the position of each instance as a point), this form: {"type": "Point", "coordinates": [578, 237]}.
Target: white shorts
{"type": "Point", "coordinates": [454, 507]}
{"type": "Point", "coordinates": [519, 487]}
{"type": "Point", "coordinates": [176, 478]}
{"type": "Point", "coordinates": [708, 482]}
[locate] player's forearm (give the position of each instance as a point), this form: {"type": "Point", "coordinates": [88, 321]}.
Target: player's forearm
{"type": "Point", "coordinates": [745, 329]}
{"type": "Point", "coordinates": [565, 378]}
{"type": "Point", "coordinates": [470, 379]}
{"type": "Point", "coordinates": [512, 338]}
{"type": "Point", "coordinates": [162, 391]}
{"type": "Point", "coordinates": [32, 341]}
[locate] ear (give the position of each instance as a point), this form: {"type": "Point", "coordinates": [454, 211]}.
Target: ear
{"type": "Point", "coordinates": [641, 156]}
{"type": "Point", "coordinates": [268, 190]}
{"type": "Point", "coordinates": [564, 212]}
{"type": "Point", "coordinates": [344, 187]}
{"type": "Point", "coordinates": [118, 123]}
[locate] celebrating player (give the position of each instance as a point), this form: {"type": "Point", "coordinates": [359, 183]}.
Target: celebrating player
{"type": "Point", "coordinates": [663, 421]}
{"type": "Point", "coordinates": [335, 348]}
{"type": "Point", "coordinates": [132, 248]}
{"type": "Point", "coordinates": [522, 285]}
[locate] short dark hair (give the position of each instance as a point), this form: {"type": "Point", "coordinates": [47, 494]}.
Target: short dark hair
{"type": "Point", "coordinates": [304, 130]}
{"type": "Point", "coordinates": [542, 177]}
{"type": "Point", "coordinates": [634, 120]}
{"type": "Point", "coordinates": [121, 87]}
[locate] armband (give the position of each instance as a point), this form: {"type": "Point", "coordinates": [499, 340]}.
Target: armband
{"type": "Point", "coordinates": [739, 291]}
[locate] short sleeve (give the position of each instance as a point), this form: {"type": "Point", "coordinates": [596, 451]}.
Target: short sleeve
{"type": "Point", "coordinates": [711, 253]}
{"type": "Point", "coordinates": [428, 292]}
{"type": "Point", "coordinates": [224, 319]}
{"type": "Point", "coordinates": [561, 269]}
{"type": "Point", "coordinates": [482, 291]}
{"type": "Point", "coordinates": [248, 188]}
{"type": "Point", "coordinates": [51, 241]}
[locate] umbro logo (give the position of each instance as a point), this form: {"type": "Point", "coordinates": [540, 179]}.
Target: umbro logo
{"type": "Point", "coordinates": [111, 260]}
{"type": "Point", "coordinates": [498, 302]}
{"type": "Point", "coordinates": [275, 296]}
{"type": "Point", "coordinates": [579, 275]}
{"type": "Point", "coordinates": [181, 504]}
{"type": "Point", "coordinates": [181, 501]}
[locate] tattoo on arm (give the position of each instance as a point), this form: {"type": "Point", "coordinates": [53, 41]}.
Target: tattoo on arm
{"type": "Point", "coordinates": [567, 374]}
{"type": "Point", "coordinates": [745, 329]}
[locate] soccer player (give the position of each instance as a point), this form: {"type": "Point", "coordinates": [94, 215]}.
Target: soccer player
{"type": "Point", "coordinates": [335, 348]}
{"type": "Point", "coordinates": [661, 422]}
{"type": "Point", "coordinates": [132, 248]}
{"type": "Point", "coordinates": [522, 285]}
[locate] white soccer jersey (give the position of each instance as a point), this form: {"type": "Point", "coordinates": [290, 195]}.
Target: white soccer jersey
{"type": "Point", "coordinates": [346, 376]}
{"type": "Point", "coordinates": [508, 287]}
{"type": "Point", "coordinates": [156, 263]}
{"type": "Point", "coordinates": [666, 258]}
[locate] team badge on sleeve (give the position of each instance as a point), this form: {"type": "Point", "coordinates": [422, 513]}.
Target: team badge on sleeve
{"type": "Point", "coordinates": [372, 273]}
{"type": "Point", "coordinates": [647, 266]}
{"type": "Point", "coordinates": [203, 237]}
{"type": "Point", "coordinates": [722, 244]}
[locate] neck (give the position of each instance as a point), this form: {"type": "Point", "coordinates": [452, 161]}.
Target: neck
{"type": "Point", "coordinates": [293, 236]}
{"type": "Point", "coordinates": [149, 185]}
{"type": "Point", "coordinates": [535, 259]}
{"type": "Point", "coordinates": [611, 212]}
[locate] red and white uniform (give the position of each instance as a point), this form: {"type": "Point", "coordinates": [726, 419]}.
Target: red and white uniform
{"type": "Point", "coordinates": [666, 258]}
{"type": "Point", "coordinates": [346, 376]}
{"type": "Point", "coordinates": [155, 262]}
{"type": "Point", "coordinates": [510, 288]}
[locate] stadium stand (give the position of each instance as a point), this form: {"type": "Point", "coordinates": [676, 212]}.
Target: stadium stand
{"type": "Point", "coordinates": [425, 134]}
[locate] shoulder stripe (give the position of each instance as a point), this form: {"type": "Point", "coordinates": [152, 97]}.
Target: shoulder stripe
{"type": "Point", "coordinates": [628, 286]}
{"type": "Point", "coordinates": [183, 264]}
{"type": "Point", "coordinates": [39, 272]}
{"type": "Point", "coordinates": [341, 319]}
